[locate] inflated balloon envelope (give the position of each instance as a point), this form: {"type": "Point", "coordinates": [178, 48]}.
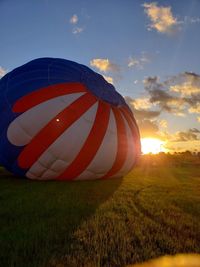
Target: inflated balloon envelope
{"type": "Point", "coordinates": [61, 120]}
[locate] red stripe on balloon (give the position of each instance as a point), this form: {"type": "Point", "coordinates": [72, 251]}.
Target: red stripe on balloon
{"type": "Point", "coordinates": [91, 145]}
{"type": "Point", "coordinates": [134, 130]}
{"type": "Point", "coordinates": [54, 129]}
{"type": "Point", "coordinates": [122, 144]}
{"type": "Point", "coordinates": [46, 93]}
{"type": "Point", "coordinates": [132, 120]}
{"type": "Point", "coordinates": [128, 112]}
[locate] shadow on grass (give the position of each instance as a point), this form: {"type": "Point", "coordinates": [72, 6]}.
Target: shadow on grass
{"type": "Point", "coordinates": [37, 219]}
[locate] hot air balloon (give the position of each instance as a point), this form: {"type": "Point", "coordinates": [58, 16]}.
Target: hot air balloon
{"type": "Point", "coordinates": [61, 120]}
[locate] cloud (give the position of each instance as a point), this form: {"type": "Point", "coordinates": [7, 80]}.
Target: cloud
{"type": "Point", "coordinates": [185, 89]}
{"type": "Point", "coordinates": [177, 94]}
{"type": "Point", "coordinates": [163, 123]}
{"type": "Point", "coordinates": [194, 130]}
{"type": "Point", "coordinates": [151, 126]}
{"type": "Point", "coordinates": [146, 114]}
{"type": "Point", "coordinates": [77, 30]}
{"type": "Point", "coordinates": [192, 134]}
{"type": "Point", "coordinates": [145, 118]}
{"type": "Point", "coordinates": [190, 20]}
{"type": "Point", "coordinates": [139, 112]}
{"type": "Point", "coordinates": [187, 84]}
{"type": "Point", "coordinates": [189, 135]}
{"type": "Point", "coordinates": [141, 103]}
{"type": "Point", "coordinates": [74, 19]}
{"type": "Point", "coordinates": [104, 65]}
{"type": "Point", "coordinates": [108, 79]}
{"type": "Point", "coordinates": [2, 72]}
{"type": "Point", "coordinates": [138, 62]}
{"type": "Point", "coordinates": [133, 62]}
{"type": "Point", "coordinates": [162, 98]}
{"type": "Point", "coordinates": [162, 19]}
{"type": "Point", "coordinates": [195, 109]}
{"type": "Point", "coordinates": [148, 128]}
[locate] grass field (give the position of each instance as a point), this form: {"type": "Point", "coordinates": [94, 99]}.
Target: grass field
{"type": "Point", "coordinates": [153, 211]}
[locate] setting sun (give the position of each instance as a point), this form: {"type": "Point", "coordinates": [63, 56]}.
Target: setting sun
{"type": "Point", "coordinates": [152, 145]}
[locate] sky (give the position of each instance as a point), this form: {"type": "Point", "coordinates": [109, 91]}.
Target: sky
{"type": "Point", "coordinates": [148, 50]}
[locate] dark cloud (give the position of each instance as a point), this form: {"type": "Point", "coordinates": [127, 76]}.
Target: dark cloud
{"type": "Point", "coordinates": [194, 103]}
{"type": "Point", "coordinates": [190, 135]}
{"type": "Point", "coordinates": [148, 128]}
{"type": "Point", "coordinates": [152, 83]}
{"type": "Point", "coordinates": [159, 95]}
{"type": "Point", "coordinates": [163, 99]}
{"type": "Point", "coordinates": [182, 77]}
{"type": "Point", "coordinates": [195, 78]}
{"type": "Point", "coordinates": [194, 130]}
{"type": "Point", "coordinates": [145, 119]}
{"type": "Point", "coordinates": [176, 94]}
{"type": "Point", "coordinates": [145, 114]}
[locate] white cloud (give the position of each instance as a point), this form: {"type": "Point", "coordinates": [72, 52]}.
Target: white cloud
{"type": "Point", "coordinates": [195, 109]}
{"type": "Point", "coordinates": [185, 89]}
{"type": "Point", "coordinates": [162, 19]}
{"type": "Point", "coordinates": [187, 84]}
{"type": "Point", "coordinates": [177, 95]}
{"type": "Point", "coordinates": [108, 79]}
{"type": "Point", "coordinates": [133, 62]}
{"type": "Point", "coordinates": [138, 62]}
{"type": "Point", "coordinates": [163, 123]}
{"type": "Point", "coordinates": [74, 19]}
{"type": "Point", "coordinates": [77, 30]}
{"type": "Point", "coordinates": [189, 135]}
{"type": "Point", "coordinates": [104, 65]}
{"type": "Point", "coordinates": [141, 103]}
{"type": "Point", "coordinates": [2, 72]}
{"type": "Point", "coordinates": [190, 20]}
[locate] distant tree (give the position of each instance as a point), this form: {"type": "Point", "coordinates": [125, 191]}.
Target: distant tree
{"type": "Point", "coordinates": [187, 154]}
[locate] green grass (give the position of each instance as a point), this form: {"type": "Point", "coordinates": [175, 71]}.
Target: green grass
{"type": "Point", "coordinates": [153, 211]}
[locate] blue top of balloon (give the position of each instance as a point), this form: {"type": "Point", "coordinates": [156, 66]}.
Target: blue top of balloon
{"type": "Point", "coordinates": [42, 72]}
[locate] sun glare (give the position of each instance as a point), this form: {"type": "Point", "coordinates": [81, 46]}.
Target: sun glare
{"type": "Point", "coordinates": [152, 145]}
